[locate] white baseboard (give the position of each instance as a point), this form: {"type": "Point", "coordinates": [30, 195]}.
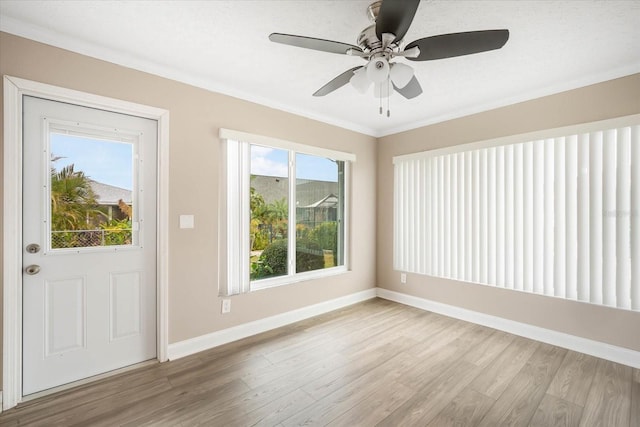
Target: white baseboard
{"type": "Point", "coordinates": [602, 350]}
{"type": "Point", "coordinates": [214, 339]}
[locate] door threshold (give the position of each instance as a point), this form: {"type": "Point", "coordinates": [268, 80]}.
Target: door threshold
{"type": "Point", "coordinates": [85, 381]}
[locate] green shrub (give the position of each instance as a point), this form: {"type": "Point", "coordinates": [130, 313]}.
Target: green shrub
{"type": "Point", "coordinates": [273, 260]}
{"type": "Point", "coordinates": [64, 239]}
{"type": "Point", "coordinates": [309, 256]}
{"type": "Point", "coordinates": [117, 232]}
{"type": "Point", "coordinates": [326, 235]}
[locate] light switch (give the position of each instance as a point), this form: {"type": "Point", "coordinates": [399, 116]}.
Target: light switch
{"type": "Point", "coordinates": [186, 221]}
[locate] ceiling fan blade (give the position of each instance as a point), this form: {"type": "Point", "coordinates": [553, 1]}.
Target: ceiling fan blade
{"type": "Point", "coordinates": [458, 44]}
{"type": "Point", "coordinates": [313, 43]}
{"type": "Point", "coordinates": [337, 82]}
{"type": "Point", "coordinates": [395, 17]}
{"type": "Point", "coordinates": [411, 90]}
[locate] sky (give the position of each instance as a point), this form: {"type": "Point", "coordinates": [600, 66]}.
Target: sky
{"type": "Point", "coordinates": [273, 162]}
{"type": "Point", "coordinates": [108, 162]}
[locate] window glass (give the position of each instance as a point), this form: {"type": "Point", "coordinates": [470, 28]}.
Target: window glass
{"type": "Point", "coordinates": [319, 207]}
{"type": "Point", "coordinates": [91, 183]}
{"type": "Point", "coordinates": [269, 203]}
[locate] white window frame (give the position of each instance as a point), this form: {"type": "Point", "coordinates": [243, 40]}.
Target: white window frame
{"type": "Point", "coordinates": [234, 231]}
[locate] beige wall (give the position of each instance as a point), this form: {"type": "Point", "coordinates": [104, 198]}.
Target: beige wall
{"type": "Point", "coordinates": [196, 116]}
{"type": "Point", "coordinates": [611, 99]}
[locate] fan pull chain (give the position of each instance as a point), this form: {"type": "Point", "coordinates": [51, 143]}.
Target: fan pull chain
{"type": "Point", "coordinates": [388, 97]}
{"type": "Point", "coordinates": [380, 100]}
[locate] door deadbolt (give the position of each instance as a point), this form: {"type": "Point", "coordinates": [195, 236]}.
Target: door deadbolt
{"type": "Point", "coordinates": [32, 269]}
{"type": "Point", "coordinates": [33, 248]}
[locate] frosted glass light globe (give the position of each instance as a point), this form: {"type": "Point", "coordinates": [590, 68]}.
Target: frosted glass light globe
{"type": "Point", "coordinates": [401, 74]}
{"type": "Point", "coordinates": [360, 81]}
{"type": "Point", "coordinates": [378, 70]}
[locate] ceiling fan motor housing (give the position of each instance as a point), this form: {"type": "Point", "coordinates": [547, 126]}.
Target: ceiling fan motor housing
{"type": "Point", "coordinates": [368, 40]}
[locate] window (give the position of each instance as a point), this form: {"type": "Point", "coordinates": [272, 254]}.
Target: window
{"type": "Point", "coordinates": [554, 213]}
{"type": "Point", "coordinates": [92, 203]}
{"type": "Point", "coordinates": [286, 210]}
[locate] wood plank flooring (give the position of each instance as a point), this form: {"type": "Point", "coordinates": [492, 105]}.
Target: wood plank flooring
{"type": "Point", "coordinates": [377, 363]}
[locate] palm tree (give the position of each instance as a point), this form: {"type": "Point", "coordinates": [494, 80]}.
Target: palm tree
{"type": "Point", "coordinates": [73, 202]}
{"type": "Point", "coordinates": [278, 210]}
{"type": "Point", "coordinates": [256, 201]}
{"type": "Point", "coordinates": [277, 214]}
{"type": "Point", "coordinates": [269, 219]}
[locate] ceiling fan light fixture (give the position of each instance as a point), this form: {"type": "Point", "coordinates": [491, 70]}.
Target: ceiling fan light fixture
{"type": "Point", "coordinates": [360, 81]}
{"type": "Point", "coordinates": [378, 70]}
{"type": "Point", "coordinates": [400, 74]}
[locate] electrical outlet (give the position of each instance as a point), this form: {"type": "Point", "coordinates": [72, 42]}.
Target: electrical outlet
{"type": "Point", "coordinates": [403, 277]}
{"type": "Point", "coordinates": [226, 306]}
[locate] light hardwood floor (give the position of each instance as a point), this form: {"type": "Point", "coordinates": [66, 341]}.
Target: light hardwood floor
{"type": "Point", "coordinates": [374, 363]}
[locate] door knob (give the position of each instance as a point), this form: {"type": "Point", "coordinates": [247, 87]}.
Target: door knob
{"type": "Point", "coordinates": [33, 248]}
{"type": "Point", "coordinates": [32, 269]}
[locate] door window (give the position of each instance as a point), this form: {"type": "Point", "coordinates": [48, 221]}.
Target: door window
{"type": "Point", "coordinates": [91, 190]}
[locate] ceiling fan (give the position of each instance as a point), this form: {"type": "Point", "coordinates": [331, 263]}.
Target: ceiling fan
{"type": "Point", "coordinates": [381, 42]}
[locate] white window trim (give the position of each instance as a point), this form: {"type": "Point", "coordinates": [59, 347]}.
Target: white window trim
{"type": "Point", "coordinates": [297, 277]}
{"type": "Point", "coordinates": [234, 275]}
{"type": "Point", "coordinates": [286, 145]}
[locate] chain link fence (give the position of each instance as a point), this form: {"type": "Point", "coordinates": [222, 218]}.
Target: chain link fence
{"type": "Point", "coordinates": [90, 238]}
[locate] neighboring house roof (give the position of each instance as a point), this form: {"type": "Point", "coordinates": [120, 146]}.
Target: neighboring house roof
{"type": "Point", "coordinates": [274, 188]}
{"type": "Point", "coordinates": [110, 195]}
{"type": "Point", "coordinates": [328, 202]}
{"type": "Point", "coordinates": [271, 188]}
{"type": "Point", "coordinates": [309, 192]}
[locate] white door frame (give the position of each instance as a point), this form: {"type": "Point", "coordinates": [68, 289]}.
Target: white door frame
{"type": "Point", "coordinates": [14, 89]}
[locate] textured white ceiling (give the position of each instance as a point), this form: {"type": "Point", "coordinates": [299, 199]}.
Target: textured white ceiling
{"type": "Point", "coordinates": [223, 46]}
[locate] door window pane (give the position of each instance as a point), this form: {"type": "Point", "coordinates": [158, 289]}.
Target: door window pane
{"type": "Point", "coordinates": [91, 192]}
{"type": "Point", "coordinates": [269, 202]}
{"type": "Point", "coordinates": [319, 213]}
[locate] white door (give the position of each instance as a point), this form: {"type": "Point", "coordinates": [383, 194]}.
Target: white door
{"type": "Point", "coordinates": [89, 237]}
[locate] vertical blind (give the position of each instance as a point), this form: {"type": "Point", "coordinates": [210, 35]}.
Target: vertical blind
{"type": "Point", "coordinates": [555, 216]}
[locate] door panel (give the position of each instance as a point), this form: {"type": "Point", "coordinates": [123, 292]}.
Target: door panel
{"type": "Point", "coordinates": [125, 304]}
{"type": "Point", "coordinates": [89, 194]}
{"type": "Point", "coordinates": [65, 318]}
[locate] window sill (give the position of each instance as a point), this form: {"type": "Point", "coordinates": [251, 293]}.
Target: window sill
{"type": "Point", "coordinates": [295, 278]}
